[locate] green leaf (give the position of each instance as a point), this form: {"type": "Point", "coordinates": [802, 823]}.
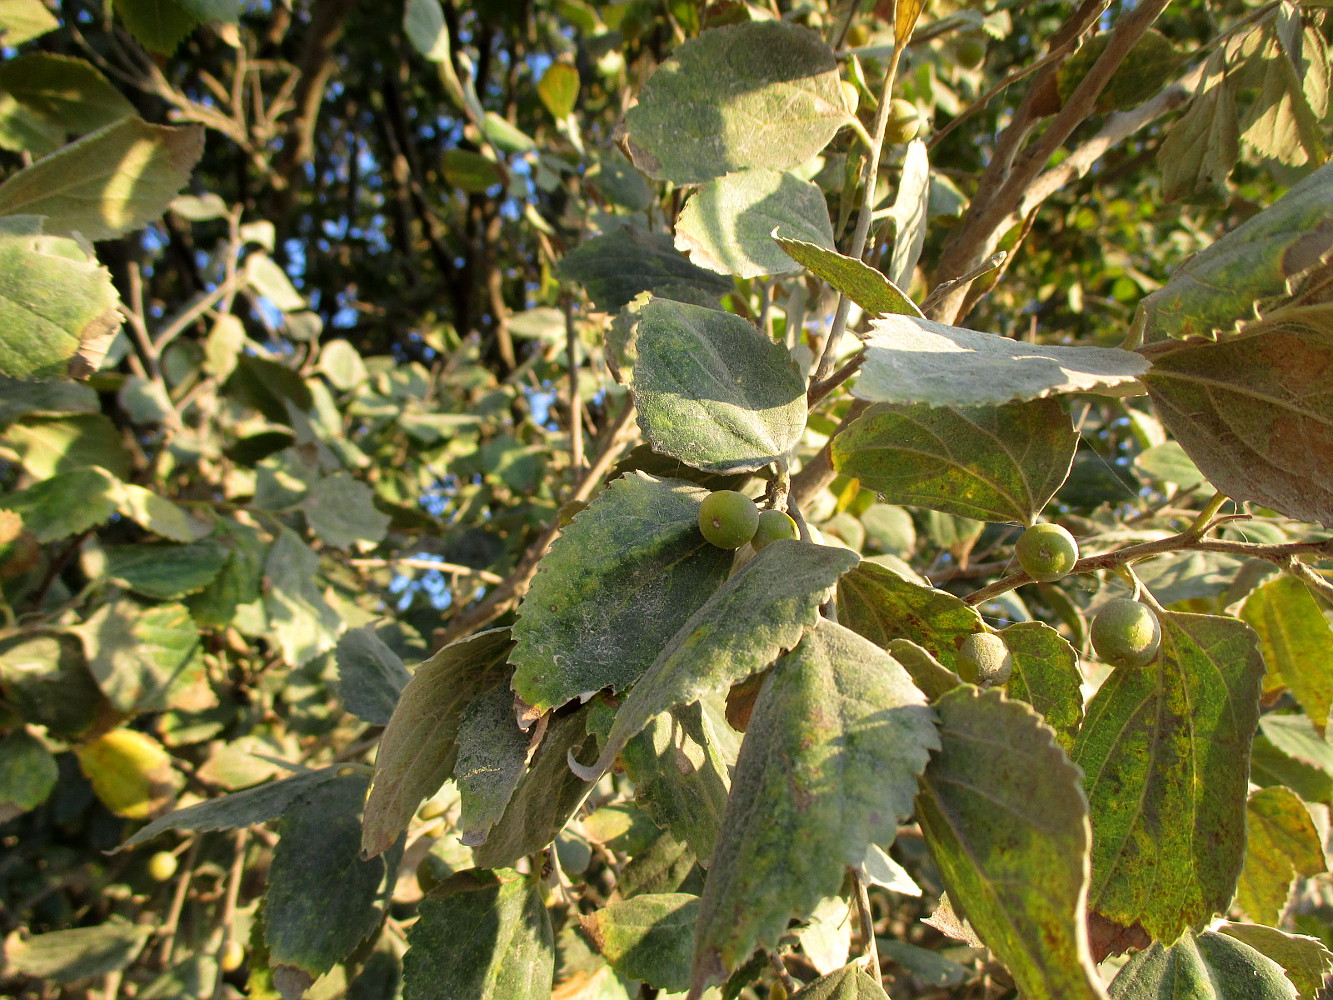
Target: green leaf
{"type": "Point", "coordinates": [910, 360]}
{"type": "Point", "coordinates": [240, 579]}
{"type": "Point", "coordinates": [1004, 814]}
{"type": "Point", "coordinates": [760, 94]}
{"type": "Point", "coordinates": [156, 513]}
{"type": "Point", "coordinates": [828, 767]}
{"type": "Point", "coordinates": [1262, 261]}
{"type": "Point", "coordinates": [1046, 676]}
{"type": "Point", "coordinates": [58, 309]}
{"type": "Point", "coordinates": [483, 935]}
{"type": "Point", "coordinates": [469, 171]}
{"type": "Point", "coordinates": [1251, 411]}
{"type": "Point", "coordinates": [51, 445]}
{"type": "Point", "coordinates": [65, 504]}
{"type": "Point", "coordinates": [713, 391]}
{"type": "Point", "coordinates": [1200, 150]}
{"type": "Point", "coordinates": [559, 89]}
{"type": "Point", "coordinates": [28, 773]}
{"type": "Point", "coordinates": [144, 657]}
{"type": "Point", "coordinates": [1296, 642]}
{"type": "Point", "coordinates": [46, 680]}
{"type": "Point", "coordinates": [253, 805]}
{"type": "Point", "coordinates": [851, 982]}
{"type": "Point", "coordinates": [417, 750]}
{"type": "Point", "coordinates": [158, 25]}
{"type": "Point", "coordinates": [492, 758]}
{"type": "Point", "coordinates": [423, 23]}
{"type": "Point", "coordinates": [727, 224]}
{"type": "Point", "coordinates": [164, 572]}
{"type": "Point", "coordinates": [322, 899]}
{"type": "Point", "coordinates": [933, 678]}
{"type": "Point", "coordinates": [1285, 120]}
{"type": "Point", "coordinates": [1282, 844]}
{"type": "Point", "coordinates": [1305, 960]}
{"type": "Point", "coordinates": [615, 586]}
{"type": "Point", "coordinates": [18, 399]}
{"type": "Point", "coordinates": [649, 937]}
{"type": "Point", "coordinates": [744, 626]}
{"type": "Point", "coordinates": [108, 183]}
{"type": "Point", "coordinates": [877, 603]}
{"type": "Point", "coordinates": [909, 214]}
{"type": "Point", "coordinates": [341, 511]}
{"type": "Point", "coordinates": [81, 953]}
{"type": "Point", "coordinates": [1205, 966]}
{"type": "Point", "coordinates": [619, 265]}
{"type": "Point", "coordinates": [70, 94]}
{"type": "Point", "coordinates": [989, 463]}
{"type": "Point", "coordinates": [266, 276]}
{"type": "Point", "coordinates": [303, 622]}
{"type": "Point", "coordinates": [1163, 779]}
{"type": "Point", "coordinates": [371, 676]}
{"type": "Point", "coordinates": [864, 285]}
{"type": "Point", "coordinates": [23, 20]}
{"type": "Point", "coordinates": [1168, 463]}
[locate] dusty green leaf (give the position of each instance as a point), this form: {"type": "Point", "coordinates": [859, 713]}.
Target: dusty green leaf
{"type": "Point", "coordinates": [1253, 412]}
{"type": "Point", "coordinates": [882, 606]}
{"type": "Point", "coordinates": [65, 504]}
{"type": "Point", "coordinates": [164, 572]}
{"type": "Point", "coordinates": [483, 935]}
{"type": "Point", "coordinates": [158, 25]}
{"type": "Point", "coordinates": [744, 626]}
{"type": "Point", "coordinates": [989, 463]}
{"type": "Point", "coordinates": [266, 276]}
{"type": "Point", "coordinates": [58, 309]}
{"type": "Point", "coordinates": [303, 622]}
{"type": "Point", "coordinates": [1205, 966]}
{"type": "Point", "coordinates": [492, 757]}
{"type": "Point", "coordinates": [615, 586]}
{"type": "Point", "coordinates": [1046, 676]}
{"type": "Point", "coordinates": [910, 203]}
{"type": "Point", "coordinates": [81, 953]}
{"type": "Point", "coordinates": [1164, 748]}
{"type": "Point", "coordinates": [828, 767]}
{"type": "Point", "coordinates": [341, 511]}
{"type": "Point", "coordinates": [764, 94]}
{"type": "Point", "coordinates": [726, 224]}
{"type": "Point", "coordinates": [933, 678]}
{"type": "Point", "coordinates": [712, 390]}
{"type": "Point", "coordinates": [1282, 844]}
{"type": "Point", "coordinates": [910, 360]}
{"type": "Point", "coordinates": [46, 680]}
{"type": "Point", "coordinates": [649, 937]}
{"type": "Point", "coordinates": [1168, 463]}
{"type": "Point", "coordinates": [109, 182]}
{"type": "Point", "coordinates": [18, 399]}
{"type": "Point", "coordinates": [239, 581]}
{"type": "Point", "coordinates": [1263, 261]}
{"type": "Point", "coordinates": [1284, 121]}
{"type": "Point", "coordinates": [68, 93]}
{"type": "Point", "coordinates": [559, 89]}
{"type": "Point", "coordinates": [1200, 150]}
{"type": "Point", "coordinates": [28, 773]}
{"type": "Point", "coordinates": [23, 20]}
{"type": "Point", "coordinates": [1296, 641]}
{"type": "Point", "coordinates": [851, 982]}
{"type": "Point", "coordinates": [619, 265]}
{"type": "Point", "coordinates": [322, 899]}
{"type": "Point", "coordinates": [423, 23]}
{"type": "Point", "coordinates": [371, 676]}
{"type": "Point", "coordinates": [145, 657]}
{"type": "Point", "coordinates": [1004, 814]}
{"type": "Point", "coordinates": [156, 513]}
{"type": "Point", "coordinates": [48, 446]}
{"type": "Point", "coordinates": [865, 286]}
{"type": "Point", "coordinates": [1305, 960]}
{"type": "Point", "coordinates": [418, 750]}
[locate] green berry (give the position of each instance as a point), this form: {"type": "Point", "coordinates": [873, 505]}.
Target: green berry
{"type": "Point", "coordinates": [971, 51]}
{"type": "Point", "coordinates": [1047, 552]}
{"type": "Point", "coordinates": [904, 121]}
{"type": "Point", "coordinates": [728, 519]}
{"type": "Point", "coordinates": [773, 525]}
{"type": "Point", "coordinates": [232, 956]}
{"type": "Point", "coordinates": [984, 659]}
{"type": "Point", "coordinates": [161, 866]}
{"type": "Point", "coordinates": [1126, 633]}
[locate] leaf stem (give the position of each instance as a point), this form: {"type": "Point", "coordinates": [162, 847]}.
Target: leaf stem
{"type": "Point", "coordinates": [870, 946]}
{"type": "Point", "coordinates": [788, 981]}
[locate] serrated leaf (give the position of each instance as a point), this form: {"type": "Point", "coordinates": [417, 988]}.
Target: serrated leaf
{"type": "Point", "coordinates": [303, 622]}
{"type": "Point", "coordinates": [70, 94]}
{"type": "Point", "coordinates": [1296, 641]}
{"type": "Point", "coordinates": [322, 899]}
{"type": "Point", "coordinates": [1200, 150]}
{"type": "Point", "coordinates": [712, 390]}
{"type": "Point", "coordinates": [877, 603]}
{"type": "Point", "coordinates": [108, 183]}
{"type": "Point", "coordinates": [23, 20]}
{"type": "Point", "coordinates": [80, 953]}
{"type": "Point", "coordinates": [158, 25]}
{"type": "Point", "coordinates": [828, 766]}
{"type": "Point", "coordinates": [744, 626]}
{"type": "Point", "coordinates": [910, 360]}
{"type": "Point", "coordinates": [1252, 413]}
{"type": "Point", "coordinates": [1305, 960]}
{"type": "Point", "coordinates": [417, 750]}
{"type": "Point", "coordinates": [1164, 747]}
{"type": "Point", "coordinates": [484, 935]}
{"type": "Point", "coordinates": [1284, 120]}
{"type": "Point", "coordinates": [865, 286]}
{"type": "Point", "coordinates": [1046, 676]}
{"type": "Point", "coordinates": [726, 224]}
{"type": "Point", "coordinates": [1281, 845]}
{"type": "Point", "coordinates": [992, 463]}
{"type": "Point", "coordinates": [1205, 966]}
{"type": "Point", "coordinates": [65, 504]}
{"type": "Point", "coordinates": [848, 983]}
{"type": "Point", "coordinates": [239, 581]}
{"type": "Point", "coordinates": [492, 756]}
{"type": "Point", "coordinates": [156, 513]}
{"type": "Point", "coordinates": [164, 572]}
{"type": "Point", "coordinates": [253, 805]}
{"type": "Point", "coordinates": [764, 94]}
{"type": "Point", "coordinates": [28, 773]}
{"type": "Point", "coordinates": [1260, 262]}
{"type": "Point", "coordinates": [371, 676]}
{"type": "Point", "coordinates": [619, 265]}
{"type": "Point", "coordinates": [50, 445]}
{"type": "Point", "coordinates": [615, 586]}
{"type": "Point", "coordinates": [341, 511]}
{"type": "Point", "coordinates": [559, 89]}
{"type": "Point", "coordinates": [58, 308]}
{"type": "Point", "coordinates": [649, 937]}
{"type": "Point", "coordinates": [143, 657]}
{"type": "Point", "coordinates": [1003, 812]}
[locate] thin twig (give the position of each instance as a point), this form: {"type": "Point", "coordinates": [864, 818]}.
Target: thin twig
{"type": "Point", "coordinates": [170, 925]}
{"type": "Point", "coordinates": [789, 983]}
{"type": "Point", "coordinates": [416, 562]}
{"type": "Point", "coordinates": [868, 943]}
{"type": "Point", "coordinates": [575, 399]}
{"type": "Point", "coordinates": [229, 904]}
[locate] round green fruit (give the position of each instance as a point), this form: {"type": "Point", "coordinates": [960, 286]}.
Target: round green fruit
{"type": "Point", "coordinates": [904, 121]}
{"type": "Point", "coordinates": [971, 51]}
{"type": "Point", "coordinates": [1047, 552]}
{"type": "Point", "coordinates": [984, 659]}
{"type": "Point", "coordinates": [232, 956]}
{"type": "Point", "coordinates": [1126, 633]}
{"type": "Point", "coordinates": [774, 525]}
{"type": "Point", "coordinates": [728, 519]}
{"type": "Point", "coordinates": [161, 866]}
{"type": "Point", "coordinates": [857, 35]}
